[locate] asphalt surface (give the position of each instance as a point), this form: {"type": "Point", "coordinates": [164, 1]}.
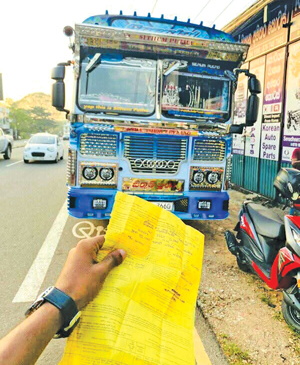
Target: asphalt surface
{"type": "Point", "coordinates": [31, 197]}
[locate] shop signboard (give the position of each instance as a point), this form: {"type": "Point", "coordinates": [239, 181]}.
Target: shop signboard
{"type": "Point", "coordinates": [270, 141]}
{"type": "Point", "coordinates": [252, 143]}
{"type": "Point", "coordinates": [295, 27]}
{"type": "Point", "coordinates": [291, 133]}
{"type": "Point", "coordinates": [265, 36]}
{"type": "Point", "coordinates": [273, 88]}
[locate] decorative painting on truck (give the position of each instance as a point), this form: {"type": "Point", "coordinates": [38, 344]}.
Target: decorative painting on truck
{"type": "Point", "coordinates": [153, 185]}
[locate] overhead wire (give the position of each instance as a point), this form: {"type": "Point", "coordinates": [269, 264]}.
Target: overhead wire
{"type": "Point", "coordinates": [201, 10]}
{"type": "Point", "coordinates": [226, 7]}
{"type": "Point", "coordinates": [154, 6]}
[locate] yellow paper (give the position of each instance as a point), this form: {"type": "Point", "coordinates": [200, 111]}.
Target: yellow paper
{"type": "Point", "coordinates": [144, 313]}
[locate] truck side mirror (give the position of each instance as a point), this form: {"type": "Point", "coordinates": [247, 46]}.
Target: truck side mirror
{"type": "Point", "coordinates": [58, 73]}
{"type": "Point", "coordinates": [236, 128]}
{"type": "Point", "coordinates": [254, 85]}
{"type": "Point", "coordinates": [252, 110]}
{"type": "Point", "coordinates": [58, 88]}
{"type": "Point", "coordinates": [58, 95]}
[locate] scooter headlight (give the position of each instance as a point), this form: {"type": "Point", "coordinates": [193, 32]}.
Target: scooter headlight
{"type": "Point", "coordinates": [296, 236]}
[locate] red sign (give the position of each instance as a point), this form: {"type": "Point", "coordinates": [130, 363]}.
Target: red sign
{"type": "Point", "coordinates": [153, 185]}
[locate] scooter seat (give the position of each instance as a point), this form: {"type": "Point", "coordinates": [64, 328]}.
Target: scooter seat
{"type": "Point", "coordinates": [267, 222]}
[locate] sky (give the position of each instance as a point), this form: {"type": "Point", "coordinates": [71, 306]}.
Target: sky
{"type": "Point", "coordinates": [32, 41]}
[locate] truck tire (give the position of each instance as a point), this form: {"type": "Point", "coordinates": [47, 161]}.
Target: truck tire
{"type": "Point", "coordinates": [7, 153]}
{"type": "Point", "coordinates": [26, 161]}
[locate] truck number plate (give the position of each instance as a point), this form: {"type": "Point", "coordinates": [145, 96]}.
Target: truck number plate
{"type": "Point", "coordinates": [165, 205]}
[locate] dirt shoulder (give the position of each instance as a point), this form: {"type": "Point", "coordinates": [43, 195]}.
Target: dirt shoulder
{"type": "Point", "coordinates": [242, 311]}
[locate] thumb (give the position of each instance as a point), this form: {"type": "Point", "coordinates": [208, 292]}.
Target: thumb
{"type": "Point", "coordinates": [113, 259]}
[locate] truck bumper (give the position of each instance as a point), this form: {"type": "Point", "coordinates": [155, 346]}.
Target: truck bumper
{"type": "Point", "coordinates": [82, 202]}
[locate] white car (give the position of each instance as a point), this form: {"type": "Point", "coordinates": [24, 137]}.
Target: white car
{"type": "Point", "coordinates": [43, 147]}
{"type": "Point", "coordinates": [6, 143]}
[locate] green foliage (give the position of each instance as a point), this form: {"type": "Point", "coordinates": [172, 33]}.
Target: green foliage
{"type": "Point", "coordinates": [235, 355]}
{"type": "Point", "coordinates": [34, 113]}
{"type": "Point", "coordinates": [268, 300]}
{"type": "Point", "coordinates": [35, 120]}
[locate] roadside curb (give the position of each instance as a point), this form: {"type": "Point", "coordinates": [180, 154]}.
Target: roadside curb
{"type": "Point", "coordinates": [19, 146]}
{"type": "Point", "coordinates": [209, 339]}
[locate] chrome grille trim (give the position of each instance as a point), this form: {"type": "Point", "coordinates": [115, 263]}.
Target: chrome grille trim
{"type": "Point", "coordinates": [209, 150]}
{"type": "Point", "coordinates": [151, 155]}
{"type": "Point", "coordinates": [71, 167]}
{"type": "Point", "coordinates": [98, 145]}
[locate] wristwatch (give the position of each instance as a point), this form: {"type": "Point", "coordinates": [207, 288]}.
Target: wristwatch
{"type": "Point", "coordinates": [64, 303]}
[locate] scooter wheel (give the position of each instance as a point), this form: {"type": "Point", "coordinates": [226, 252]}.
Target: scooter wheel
{"type": "Point", "coordinates": [242, 266]}
{"type": "Point", "coordinates": [291, 316]}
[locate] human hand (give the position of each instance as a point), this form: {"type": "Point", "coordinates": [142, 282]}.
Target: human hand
{"type": "Point", "coordinates": [82, 275]}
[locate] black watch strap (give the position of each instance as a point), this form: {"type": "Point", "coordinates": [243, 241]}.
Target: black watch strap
{"type": "Point", "coordinates": [65, 304]}
{"type": "Point", "coordinates": [68, 309]}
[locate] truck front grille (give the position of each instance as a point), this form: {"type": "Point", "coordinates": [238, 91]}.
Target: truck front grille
{"type": "Point", "coordinates": [209, 150]}
{"type": "Point", "coordinates": [150, 155]}
{"type": "Point", "coordinates": [98, 145]}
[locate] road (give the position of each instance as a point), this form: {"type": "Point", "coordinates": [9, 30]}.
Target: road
{"type": "Point", "coordinates": [35, 237]}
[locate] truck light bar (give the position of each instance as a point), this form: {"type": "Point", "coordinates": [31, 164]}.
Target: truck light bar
{"type": "Point", "coordinates": [104, 37]}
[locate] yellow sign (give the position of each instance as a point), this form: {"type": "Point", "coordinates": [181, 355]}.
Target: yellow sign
{"type": "Point", "coordinates": [144, 313]}
{"type": "Point", "coordinates": [151, 185]}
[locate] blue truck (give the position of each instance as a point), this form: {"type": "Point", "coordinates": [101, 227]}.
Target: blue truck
{"type": "Point", "coordinates": [151, 114]}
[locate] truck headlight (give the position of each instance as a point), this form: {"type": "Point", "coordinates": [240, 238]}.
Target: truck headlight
{"type": "Point", "coordinates": [212, 177]}
{"type": "Point", "coordinates": [198, 177]}
{"type": "Point", "coordinates": [50, 149]}
{"type": "Point", "coordinates": [106, 173]}
{"type": "Point", "coordinates": [90, 173]}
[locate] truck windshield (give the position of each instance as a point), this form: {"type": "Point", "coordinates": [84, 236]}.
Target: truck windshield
{"type": "Point", "coordinates": [124, 86]}
{"type": "Point", "coordinates": [193, 95]}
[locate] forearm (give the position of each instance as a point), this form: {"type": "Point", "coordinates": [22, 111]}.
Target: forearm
{"type": "Point", "coordinates": [24, 344]}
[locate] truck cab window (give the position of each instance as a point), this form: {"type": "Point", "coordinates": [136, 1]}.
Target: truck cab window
{"type": "Point", "coordinates": [124, 86]}
{"type": "Point", "coordinates": [195, 95]}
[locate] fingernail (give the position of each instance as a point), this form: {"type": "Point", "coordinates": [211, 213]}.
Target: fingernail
{"type": "Point", "coordinates": [123, 253]}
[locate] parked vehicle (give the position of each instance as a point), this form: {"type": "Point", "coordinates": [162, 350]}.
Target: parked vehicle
{"type": "Point", "coordinates": [43, 147]}
{"type": "Point", "coordinates": [6, 143]}
{"type": "Point", "coordinates": [269, 245]}
{"type": "Point", "coordinates": [151, 114]}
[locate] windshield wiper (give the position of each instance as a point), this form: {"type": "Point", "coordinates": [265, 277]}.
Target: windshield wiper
{"type": "Point", "coordinates": [93, 63]}
{"type": "Point", "coordinates": [174, 66]}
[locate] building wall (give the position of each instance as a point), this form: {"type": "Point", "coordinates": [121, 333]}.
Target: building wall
{"type": "Point", "coordinates": [274, 56]}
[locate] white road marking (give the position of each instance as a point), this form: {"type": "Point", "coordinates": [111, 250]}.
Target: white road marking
{"type": "Point", "coordinates": [14, 163]}
{"type": "Point", "coordinates": [85, 229]}
{"type": "Point", "coordinates": [30, 287]}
